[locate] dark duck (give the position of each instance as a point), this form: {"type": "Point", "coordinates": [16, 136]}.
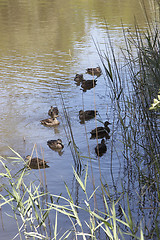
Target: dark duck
{"type": "Point", "coordinates": [101, 132]}
{"type": "Point", "coordinates": [36, 163]}
{"type": "Point", "coordinates": [78, 79]}
{"type": "Point", "coordinates": [86, 115]}
{"type": "Point", "coordinates": [88, 84]}
{"type": "Point", "coordinates": [101, 148]}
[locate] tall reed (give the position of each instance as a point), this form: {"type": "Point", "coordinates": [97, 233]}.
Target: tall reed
{"type": "Point", "coordinates": [131, 98]}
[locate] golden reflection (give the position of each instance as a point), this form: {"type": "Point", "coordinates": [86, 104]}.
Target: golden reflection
{"type": "Point", "coordinates": [49, 25]}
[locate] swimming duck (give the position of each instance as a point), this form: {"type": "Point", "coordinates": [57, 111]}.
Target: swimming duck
{"type": "Point", "coordinates": [101, 132]}
{"type": "Point", "coordinates": [88, 84]}
{"type": "Point", "coordinates": [106, 126]}
{"type": "Point", "coordinates": [86, 115]}
{"type": "Point", "coordinates": [55, 144]}
{"type": "Point", "coordinates": [78, 79]}
{"type": "Point", "coordinates": [101, 148]}
{"type": "Point", "coordinates": [53, 112]}
{"type": "Point", "coordinates": [36, 163]}
{"type": "Point", "coordinates": [94, 71]}
{"type": "Point", "coordinates": [50, 122]}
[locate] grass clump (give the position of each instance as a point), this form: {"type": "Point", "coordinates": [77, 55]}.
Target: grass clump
{"type": "Point", "coordinates": [32, 207]}
{"type": "Point", "coordinates": [133, 86]}
{"type": "Point", "coordinates": [24, 201]}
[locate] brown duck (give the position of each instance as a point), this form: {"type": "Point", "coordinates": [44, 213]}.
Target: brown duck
{"type": "Point", "coordinates": [101, 148]}
{"type": "Point", "coordinates": [55, 144]}
{"type": "Point", "coordinates": [53, 112]}
{"type": "Point", "coordinates": [86, 115]}
{"type": "Point", "coordinates": [88, 84]}
{"type": "Point", "coordinates": [101, 132]}
{"type": "Point", "coordinates": [36, 163]}
{"type": "Point", "coordinates": [78, 79]}
{"type": "Point", "coordinates": [94, 71]}
{"type": "Point", "coordinates": [50, 121]}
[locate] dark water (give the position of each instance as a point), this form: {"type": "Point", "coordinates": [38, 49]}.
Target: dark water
{"type": "Point", "coordinates": [43, 44]}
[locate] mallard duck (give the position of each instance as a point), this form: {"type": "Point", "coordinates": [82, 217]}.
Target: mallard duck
{"type": "Point", "coordinates": [50, 122]}
{"type": "Point", "coordinates": [106, 126]}
{"type": "Point", "coordinates": [101, 132]}
{"type": "Point", "coordinates": [94, 71]}
{"type": "Point", "coordinates": [86, 115]}
{"type": "Point", "coordinates": [78, 77]}
{"type": "Point", "coordinates": [53, 112]}
{"type": "Point", "coordinates": [88, 84]}
{"type": "Point", "coordinates": [55, 144]}
{"type": "Point", "coordinates": [101, 148]}
{"type": "Point", "coordinates": [36, 163]}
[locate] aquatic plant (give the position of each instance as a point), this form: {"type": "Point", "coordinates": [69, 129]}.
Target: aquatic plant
{"type": "Point", "coordinates": [32, 206]}
{"type": "Point", "coordinates": [132, 87]}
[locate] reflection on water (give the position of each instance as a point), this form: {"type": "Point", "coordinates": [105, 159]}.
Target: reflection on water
{"type": "Point", "coordinates": [43, 45]}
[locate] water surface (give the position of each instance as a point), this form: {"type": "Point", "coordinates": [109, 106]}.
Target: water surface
{"type": "Point", "coordinates": [43, 44]}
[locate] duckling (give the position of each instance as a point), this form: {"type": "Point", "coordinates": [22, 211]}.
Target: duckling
{"type": "Point", "coordinates": [53, 112]}
{"type": "Point", "coordinates": [36, 163]}
{"type": "Point", "coordinates": [101, 148]}
{"type": "Point", "coordinates": [50, 122]}
{"type": "Point", "coordinates": [94, 71]}
{"type": "Point", "coordinates": [86, 115]}
{"type": "Point", "coordinates": [55, 144]}
{"type": "Point", "coordinates": [88, 84]}
{"type": "Point", "coordinates": [101, 132]}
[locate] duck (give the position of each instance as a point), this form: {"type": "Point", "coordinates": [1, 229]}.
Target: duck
{"type": "Point", "coordinates": [101, 132]}
{"type": "Point", "coordinates": [101, 148]}
{"type": "Point", "coordinates": [86, 115]}
{"type": "Point", "coordinates": [50, 122]}
{"type": "Point", "coordinates": [55, 144]}
{"type": "Point", "coordinates": [94, 71]}
{"type": "Point", "coordinates": [53, 112]}
{"type": "Point", "coordinates": [78, 79]}
{"type": "Point", "coordinates": [88, 84]}
{"type": "Point", "coordinates": [106, 126]}
{"type": "Point", "coordinates": [36, 163]}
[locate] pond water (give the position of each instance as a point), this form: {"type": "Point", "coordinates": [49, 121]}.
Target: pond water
{"type": "Point", "coordinates": [43, 44]}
